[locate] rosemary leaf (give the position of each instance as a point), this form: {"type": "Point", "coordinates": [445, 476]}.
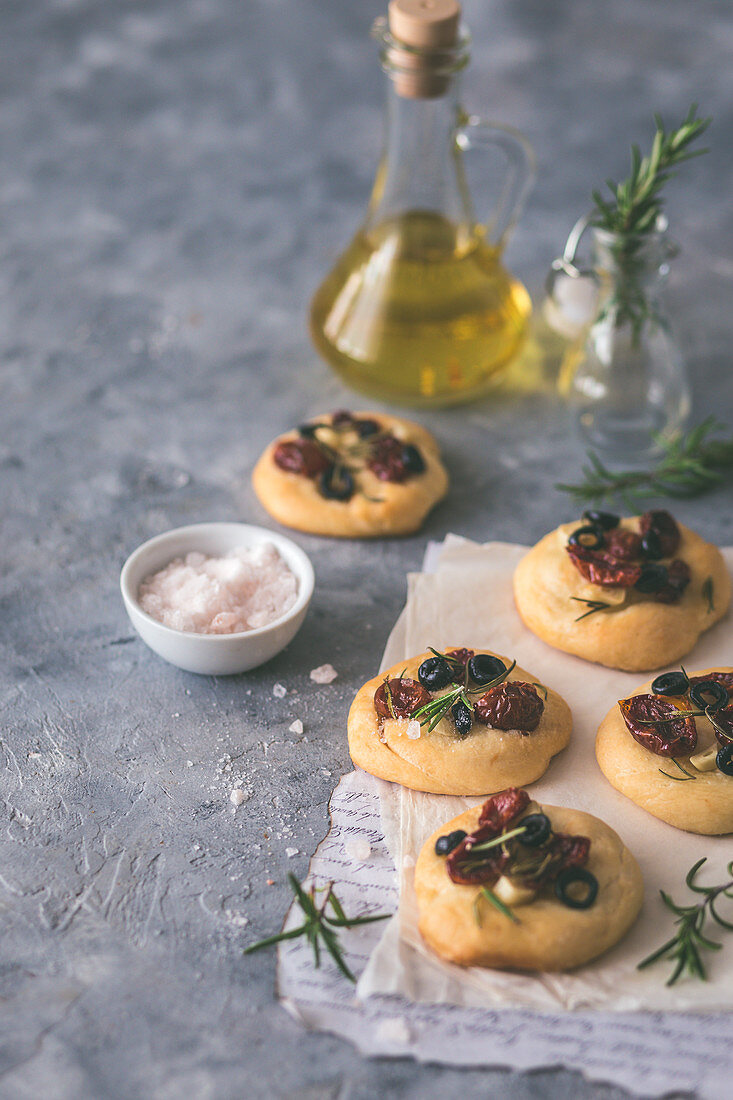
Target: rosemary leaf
{"type": "Point", "coordinates": [692, 464]}
{"type": "Point", "coordinates": [316, 927]}
{"type": "Point", "coordinates": [685, 946]}
{"type": "Point", "coordinates": [499, 904]}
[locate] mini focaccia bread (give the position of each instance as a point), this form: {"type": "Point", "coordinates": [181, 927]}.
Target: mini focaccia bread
{"type": "Point", "coordinates": [681, 771]}
{"type": "Point", "coordinates": [352, 475]}
{"type": "Point", "coordinates": [559, 891]}
{"type": "Point", "coordinates": [493, 724]}
{"type": "Point", "coordinates": [628, 593]}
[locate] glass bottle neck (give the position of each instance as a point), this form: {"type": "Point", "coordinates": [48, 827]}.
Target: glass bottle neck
{"type": "Point", "coordinates": [421, 169]}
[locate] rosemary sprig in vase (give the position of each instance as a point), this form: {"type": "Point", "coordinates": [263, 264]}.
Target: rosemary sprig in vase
{"type": "Point", "coordinates": [631, 215]}
{"type": "Point", "coordinates": [629, 381]}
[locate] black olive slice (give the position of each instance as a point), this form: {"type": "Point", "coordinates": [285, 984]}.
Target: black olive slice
{"type": "Point", "coordinates": [606, 520]}
{"type": "Point", "coordinates": [567, 879]}
{"type": "Point", "coordinates": [651, 547]}
{"type": "Point", "coordinates": [724, 760]}
{"type": "Point", "coordinates": [462, 717]}
{"type": "Point", "coordinates": [366, 427]}
{"type": "Point", "coordinates": [710, 694]}
{"type": "Point", "coordinates": [336, 483]}
{"type": "Point", "coordinates": [412, 460]}
{"type": "Point", "coordinates": [444, 845]}
{"type": "Point", "coordinates": [483, 668]}
{"type": "Point", "coordinates": [653, 578]}
{"type": "Point", "coordinates": [537, 830]}
{"type": "Point", "coordinates": [589, 537]}
{"type": "Point", "coordinates": [670, 683]}
{"type": "Point", "coordinates": [435, 673]}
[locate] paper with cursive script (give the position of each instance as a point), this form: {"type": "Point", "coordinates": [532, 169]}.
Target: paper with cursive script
{"type": "Point", "coordinates": [412, 1002]}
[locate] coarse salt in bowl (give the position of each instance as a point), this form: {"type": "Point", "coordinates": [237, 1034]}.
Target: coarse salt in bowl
{"type": "Point", "coordinates": [203, 597]}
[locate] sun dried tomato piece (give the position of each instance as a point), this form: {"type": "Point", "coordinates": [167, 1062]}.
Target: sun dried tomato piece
{"type": "Point", "coordinates": [512, 705]}
{"type": "Point", "coordinates": [386, 460]}
{"type": "Point", "coordinates": [537, 867]}
{"type": "Point", "coordinates": [678, 578]}
{"type": "Point", "coordinates": [664, 527]}
{"type": "Point", "coordinates": [622, 544]}
{"type": "Point", "coordinates": [470, 870]}
{"type": "Point", "coordinates": [460, 658]}
{"type": "Point", "coordinates": [600, 567]}
{"type": "Point", "coordinates": [301, 456]}
{"type": "Point", "coordinates": [724, 678]}
{"type": "Point", "coordinates": [503, 807]}
{"type": "Point", "coordinates": [405, 695]}
{"type": "Point", "coordinates": [664, 738]}
{"type": "Point", "coordinates": [564, 851]}
{"type": "Point", "coordinates": [723, 727]}
{"type": "Point", "coordinates": [496, 813]}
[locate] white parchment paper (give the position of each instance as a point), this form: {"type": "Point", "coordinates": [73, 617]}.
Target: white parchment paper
{"type": "Point", "coordinates": [411, 1002]}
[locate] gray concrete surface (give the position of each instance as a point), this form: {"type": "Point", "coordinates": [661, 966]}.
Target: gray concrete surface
{"type": "Point", "coordinates": [175, 179]}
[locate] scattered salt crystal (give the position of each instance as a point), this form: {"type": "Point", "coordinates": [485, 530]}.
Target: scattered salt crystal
{"type": "Point", "coordinates": [189, 763]}
{"type": "Point", "coordinates": [237, 919]}
{"type": "Point", "coordinates": [413, 729]}
{"type": "Point", "coordinates": [245, 589]}
{"type": "Point", "coordinates": [237, 796]}
{"type": "Point", "coordinates": [290, 852]}
{"type": "Point", "coordinates": [296, 726]}
{"type": "Point", "coordinates": [358, 848]}
{"type": "Point", "coordinates": [408, 861]}
{"type": "Point", "coordinates": [394, 1029]}
{"type": "Point", "coordinates": [37, 755]}
{"type": "Point", "coordinates": [324, 674]}
{"type": "Point", "coordinates": [279, 691]}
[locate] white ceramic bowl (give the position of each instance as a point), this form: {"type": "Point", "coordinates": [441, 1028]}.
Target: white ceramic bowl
{"type": "Point", "coordinates": [214, 654]}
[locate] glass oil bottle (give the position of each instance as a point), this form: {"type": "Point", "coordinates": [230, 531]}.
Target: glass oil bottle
{"type": "Point", "coordinates": [419, 309]}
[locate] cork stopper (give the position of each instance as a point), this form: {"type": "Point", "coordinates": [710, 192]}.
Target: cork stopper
{"type": "Point", "coordinates": [428, 28]}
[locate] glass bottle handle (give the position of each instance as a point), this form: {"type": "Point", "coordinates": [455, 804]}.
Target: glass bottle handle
{"type": "Point", "coordinates": [478, 135]}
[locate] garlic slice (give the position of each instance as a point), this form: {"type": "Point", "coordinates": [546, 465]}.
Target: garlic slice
{"type": "Point", "coordinates": [705, 761]}
{"type": "Point", "coordinates": [511, 893]}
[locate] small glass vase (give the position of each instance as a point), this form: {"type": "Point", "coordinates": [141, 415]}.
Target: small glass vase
{"type": "Point", "coordinates": [629, 380]}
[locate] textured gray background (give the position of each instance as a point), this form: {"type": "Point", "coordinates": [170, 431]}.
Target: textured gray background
{"type": "Point", "coordinates": [176, 176]}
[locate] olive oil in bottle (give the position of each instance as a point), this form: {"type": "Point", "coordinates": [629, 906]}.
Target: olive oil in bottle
{"type": "Point", "coordinates": [420, 312]}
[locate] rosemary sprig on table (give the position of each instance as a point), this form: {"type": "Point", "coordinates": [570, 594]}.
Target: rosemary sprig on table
{"type": "Point", "coordinates": [685, 946]}
{"type": "Point", "coordinates": [692, 463]}
{"type": "Point", "coordinates": [319, 925]}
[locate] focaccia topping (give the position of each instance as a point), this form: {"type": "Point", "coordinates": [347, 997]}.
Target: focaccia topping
{"type": "Point", "coordinates": [522, 854]}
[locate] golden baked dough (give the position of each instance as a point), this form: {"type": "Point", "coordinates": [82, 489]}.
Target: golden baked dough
{"type": "Point", "coordinates": [550, 936]}
{"type": "Point", "coordinates": [704, 805]}
{"type": "Point", "coordinates": [637, 633]}
{"type": "Point", "coordinates": [376, 509]}
{"type": "Point", "coordinates": [441, 762]}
